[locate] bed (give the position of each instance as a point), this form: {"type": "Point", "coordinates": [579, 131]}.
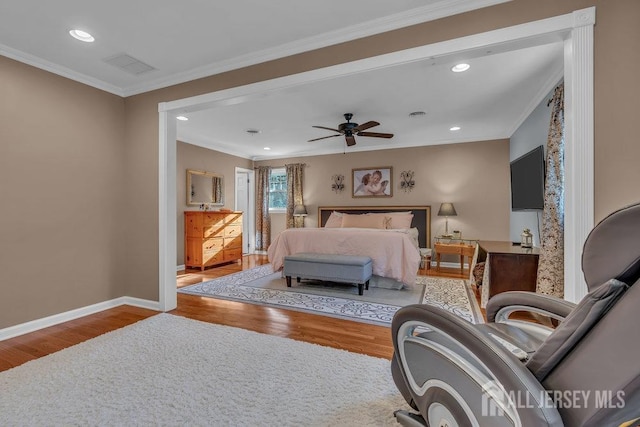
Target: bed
{"type": "Point", "coordinates": [394, 251]}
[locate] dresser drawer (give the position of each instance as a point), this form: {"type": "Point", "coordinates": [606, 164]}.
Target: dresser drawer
{"type": "Point", "coordinates": [234, 218]}
{"type": "Point", "coordinates": [213, 245]}
{"type": "Point", "coordinates": [215, 230]}
{"type": "Point", "coordinates": [232, 254]}
{"type": "Point", "coordinates": [212, 258]}
{"type": "Point", "coordinates": [232, 231]}
{"type": "Point", "coordinates": [233, 242]}
{"type": "Point", "coordinates": [211, 219]}
{"type": "Point", "coordinates": [449, 249]}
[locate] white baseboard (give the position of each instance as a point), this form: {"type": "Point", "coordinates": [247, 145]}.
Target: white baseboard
{"type": "Point", "coordinates": [180, 267]}
{"type": "Point", "coordinates": [45, 322]}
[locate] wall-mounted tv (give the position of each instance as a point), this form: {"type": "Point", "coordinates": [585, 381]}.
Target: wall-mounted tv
{"type": "Point", "coordinates": [527, 181]}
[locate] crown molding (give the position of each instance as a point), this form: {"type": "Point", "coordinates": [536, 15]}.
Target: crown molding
{"type": "Point", "coordinates": [440, 9]}
{"type": "Point", "coordinates": [434, 11]}
{"type": "Point", "coordinates": [45, 65]}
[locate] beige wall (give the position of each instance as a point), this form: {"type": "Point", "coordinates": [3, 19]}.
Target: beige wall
{"type": "Point", "coordinates": [474, 176]}
{"type": "Point", "coordinates": [62, 207]}
{"type": "Point", "coordinates": [118, 255]}
{"type": "Point", "coordinates": [194, 157]}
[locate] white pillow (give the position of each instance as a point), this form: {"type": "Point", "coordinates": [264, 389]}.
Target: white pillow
{"type": "Point", "coordinates": [334, 220]}
{"type": "Point", "coordinates": [365, 221]}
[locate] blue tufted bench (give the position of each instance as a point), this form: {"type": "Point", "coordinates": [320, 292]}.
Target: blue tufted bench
{"type": "Point", "coordinates": [329, 267]}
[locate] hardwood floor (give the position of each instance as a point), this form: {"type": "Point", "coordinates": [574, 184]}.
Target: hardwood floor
{"type": "Point", "coordinates": [343, 334]}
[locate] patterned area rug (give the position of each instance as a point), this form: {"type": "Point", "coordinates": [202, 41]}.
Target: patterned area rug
{"type": "Point", "coordinates": [261, 286]}
{"type": "Point", "coordinates": [454, 295]}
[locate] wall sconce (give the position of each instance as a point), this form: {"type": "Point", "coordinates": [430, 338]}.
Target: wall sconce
{"type": "Point", "coordinates": [407, 182]}
{"type": "Point", "coordinates": [338, 183]}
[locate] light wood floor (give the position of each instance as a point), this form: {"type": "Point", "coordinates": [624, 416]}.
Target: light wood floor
{"type": "Point", "coordinates": [343, 334]}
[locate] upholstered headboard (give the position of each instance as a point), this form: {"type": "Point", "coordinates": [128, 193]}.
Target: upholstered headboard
{"type": "Point", "coordinates": [421, 217]}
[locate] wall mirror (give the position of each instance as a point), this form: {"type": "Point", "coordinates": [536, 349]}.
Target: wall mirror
{"type": "Point", "coordinates": [204, 187]}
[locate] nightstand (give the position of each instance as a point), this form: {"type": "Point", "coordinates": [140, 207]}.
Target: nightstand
{"type": "Point", "coordinates": [464, 248]}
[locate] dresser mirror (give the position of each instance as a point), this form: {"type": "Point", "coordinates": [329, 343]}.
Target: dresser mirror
{"type": "Point", "coordinates": [204, 187]}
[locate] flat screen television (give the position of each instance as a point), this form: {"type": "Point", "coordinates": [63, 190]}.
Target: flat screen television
{"type": "Point", "coordinates": [527, 181]}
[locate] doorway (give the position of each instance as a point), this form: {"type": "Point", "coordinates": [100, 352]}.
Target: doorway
{"type": "Point", "coordinates": [245, 202]}
{"type": "Point", "coordinates": [575, 29]}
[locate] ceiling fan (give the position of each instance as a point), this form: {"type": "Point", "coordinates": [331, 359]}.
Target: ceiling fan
{"type": "Point", "coordinates": [350, 130]}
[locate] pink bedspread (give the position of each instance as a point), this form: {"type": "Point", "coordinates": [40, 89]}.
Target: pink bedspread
{"type": "Point", "coordinates": [393, 252]}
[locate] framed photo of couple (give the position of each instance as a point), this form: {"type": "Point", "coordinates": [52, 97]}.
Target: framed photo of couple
{"type": "Point", "coordinates": [372, 182]}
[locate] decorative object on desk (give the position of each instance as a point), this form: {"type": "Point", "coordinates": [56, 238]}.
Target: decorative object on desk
{"type": "Point", "coordinates": [372, 182]}
{"type": "Point", "coordinates": [407, 182]}
{"type": "Point", "coordinates": [527, 238]}
{"type": "Point", "coordinates": [457, 234]}
{"type": "Point", "coordinates": [446, 210]}
{"type": "Point", "coordinates": [338, 183]}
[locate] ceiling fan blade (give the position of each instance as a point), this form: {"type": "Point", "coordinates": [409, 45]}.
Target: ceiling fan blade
{"type": "Point", "coordinates": [376, 134]}
{"type": "Point", "coordinates": [350, 140]}
{"type": "Point", "coordinates": [365, 126]}
{"type": "Point", "coordinates": [322, 127]}
{"type": "Point", "coordinates": [324, 137]}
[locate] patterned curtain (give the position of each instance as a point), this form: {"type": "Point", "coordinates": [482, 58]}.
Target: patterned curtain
{"type": "Point", "coordinates": [294, 194]}
{"type": "Point", "coordinates": [263, 221]}
{"type": "Point", "coordinates": [217, 190]}
{"type": "Point", "coordinates": [551, 264]}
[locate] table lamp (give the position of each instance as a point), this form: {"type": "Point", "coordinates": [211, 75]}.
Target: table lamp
{"type": "Point", "coordinates": [446, 210]}
{"type": "Point", "coordinates": [300, 210]}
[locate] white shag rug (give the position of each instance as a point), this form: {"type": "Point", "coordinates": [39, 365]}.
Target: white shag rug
{"type": "Point", "coordinates": [172, 371]}
{"type": "Point", "coordinates": [261, 285]}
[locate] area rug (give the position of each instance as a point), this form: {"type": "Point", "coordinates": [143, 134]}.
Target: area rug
{"type": "Point", "coordinates": [454, 295]}
{"type": "Point", "coordinates": [377, 306]}
{"type": "Point", "coordinates": [172, 371]}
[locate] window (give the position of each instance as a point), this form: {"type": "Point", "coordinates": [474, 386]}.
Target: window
{"type": "Point", "coordinates": [278, 190]}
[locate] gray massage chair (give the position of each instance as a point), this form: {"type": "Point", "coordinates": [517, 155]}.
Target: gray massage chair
{"type": "Point", "coordinates": [508, 372]}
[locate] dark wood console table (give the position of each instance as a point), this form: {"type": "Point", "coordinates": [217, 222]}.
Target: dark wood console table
{"type": "Point", "coordinates": [509, 268]}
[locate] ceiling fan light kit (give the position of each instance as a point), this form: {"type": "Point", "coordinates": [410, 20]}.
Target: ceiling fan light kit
{"type": "Point", "coordinates": [350, 130]}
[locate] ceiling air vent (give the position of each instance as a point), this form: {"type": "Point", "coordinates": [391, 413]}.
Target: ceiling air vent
{"type": "Point", "coordinates": [129, 64]}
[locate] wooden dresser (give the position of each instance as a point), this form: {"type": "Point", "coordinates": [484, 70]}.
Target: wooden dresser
{"type": "Point", "coordinates": [212, 238]}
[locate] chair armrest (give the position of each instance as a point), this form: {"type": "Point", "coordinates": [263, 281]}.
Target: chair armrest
{"type": "Point", "coordinates": [502, 305]}
{"type": "Point", "coordinates": [421, 328]}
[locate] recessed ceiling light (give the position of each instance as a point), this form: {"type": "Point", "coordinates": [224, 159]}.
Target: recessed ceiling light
{"type": "Point", "coordinates": [267, 148]}
{"type": "Point", "coordinates": [458, 68]}
{"type": "Point", "coordinates": [83, 36]}
{"type": "Point", "coordinates": [454, 128]}
{"type": "Point", "coordinates": [183, 118]}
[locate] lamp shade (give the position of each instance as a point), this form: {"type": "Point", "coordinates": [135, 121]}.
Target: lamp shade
{"type": "Point", "coordinates": [300, 210]}
{"type": "Point", "coordinates": [447, 209]}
